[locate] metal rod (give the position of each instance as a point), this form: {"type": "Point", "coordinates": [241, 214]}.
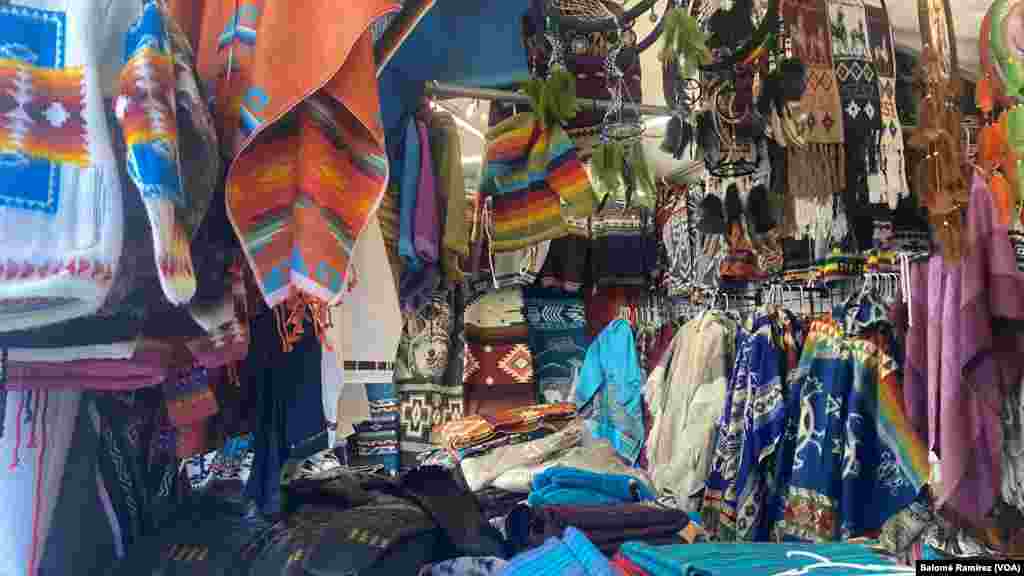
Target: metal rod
{"type": "Point", "coordinates": [445, 90]}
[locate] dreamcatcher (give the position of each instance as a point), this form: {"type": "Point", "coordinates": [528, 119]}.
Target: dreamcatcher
{"type": "Point", "coordinates": [938, 176]}
{"type": "Point", "coordinates": [740, 37]}
{"type": "Point", "coordinates": [1001, 139]}
{"type": "Point", "coordinates": [618, 161]}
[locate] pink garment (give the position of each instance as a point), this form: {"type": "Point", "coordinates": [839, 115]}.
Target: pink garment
{"type": "Point", "coordinates": [426, 227]}
{"type": "Point", "coordinates": [915, 373]}
{"type": "Point", "coordinates": [984, 362]}
{"type": "Point", "coordinates": [936, 290]}
{"type": "Point", "coordinates": [148, 367]}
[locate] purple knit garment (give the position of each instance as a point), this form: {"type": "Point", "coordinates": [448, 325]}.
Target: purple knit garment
{"type": "Point", "coordinates": [426, 227]}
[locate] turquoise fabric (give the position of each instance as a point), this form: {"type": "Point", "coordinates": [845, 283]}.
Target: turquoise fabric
{"type": "Point", "coordinates": [736, 559]}
{"type": "Point", "coordinates": [570, 555]}
{"type": "Point", "coordinates": [570, 486]}
{"type": "Point", "coordinates": [407, 191]}
{"type": "Point", "coordinates": [611, 377]}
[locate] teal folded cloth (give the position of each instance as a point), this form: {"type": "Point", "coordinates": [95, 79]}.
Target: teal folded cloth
{"type": "Point", "coordinates": [570, 555]}
{"type": "Point", "coordinates": [561, 485]}
{"type": "Point", "coordinates": [736, 559]}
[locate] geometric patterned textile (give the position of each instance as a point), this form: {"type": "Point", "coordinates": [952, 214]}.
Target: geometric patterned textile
{"type": "Point", "coordinates": [60, 195]}
{"type": "Point", "coordinates": [855, 70]}
{"type": "Point", "coordinates": [557, 340]}
{"type": "Point", "coordinates": [308, 165]}
{"type": "Point", "coordinates": [892, 183]}
{"type": "Point", "coordinates": [425, 405]}
{"type": "Point", "coordinates": [807, 25]}
{"type": "Point", "coordinates": [497, 376]}
{"type": "Point", "coordinates": [376, 440]}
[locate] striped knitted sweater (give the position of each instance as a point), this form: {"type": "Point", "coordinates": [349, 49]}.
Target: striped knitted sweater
{"type": "Point", "coordinates": [531, 172]}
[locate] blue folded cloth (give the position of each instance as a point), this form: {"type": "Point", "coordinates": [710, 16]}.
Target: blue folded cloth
{"type": "Point", "coordinates": [729, 559]}
{"type": "Point", "coordinates": [570, 555]}
{"type": "Point", "coordinates": [570, 486]}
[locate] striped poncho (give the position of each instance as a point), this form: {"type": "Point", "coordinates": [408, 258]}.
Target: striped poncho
{"type": "Point", "coordinates": [531, 171]}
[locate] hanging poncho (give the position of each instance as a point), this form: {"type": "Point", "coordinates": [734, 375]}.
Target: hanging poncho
{"type": "Point", "coordinates": [156, 84]}
{"type": "Point", "coordinates": [60, 195]}
{"type": "Point", "coordinates": [300, 193]}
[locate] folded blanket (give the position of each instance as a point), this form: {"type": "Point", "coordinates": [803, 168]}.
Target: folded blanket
{"type": "Point", "coordinates": [477, 429]}
{"type": "Point", "coordinates": [737, 558]}
{"type": "Point", "coordinates": [570, 555]}
{"type": "Point", "coordinates": [608, 527]}
{"type": "Point", "coordinates": [480, 471]}
{"type": "Point", "coordinates": [599, 457]}
{"type": "Point", "coordinates": [149, 366]}
{"type": "Point", "coordinates": [561, 485]}
{"type": "Point", "coordinates": [626, 566]}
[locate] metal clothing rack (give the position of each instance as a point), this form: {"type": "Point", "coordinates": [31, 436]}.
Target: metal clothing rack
{"type": "Point", "coordinates": [445, 90]}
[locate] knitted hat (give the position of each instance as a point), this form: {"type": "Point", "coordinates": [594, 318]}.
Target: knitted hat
{"type": "Point", "coordinates": [712, 219]}
{"type": "Point", "coordinates": [760, 210]}
{"type": "Point", "coordinates": [733, 204]}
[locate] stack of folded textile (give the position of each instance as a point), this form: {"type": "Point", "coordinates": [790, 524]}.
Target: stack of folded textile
{"type": "Point", "coordinates": [609, 508]}
{"type": "Point", "coordinates": [608, 527]}
{"type": "Point", "coordinates": [838, 559]}
{"type": "Point", "coordinates": [571, 554]}
{"type": "Point", "coordinates": [486, 447]}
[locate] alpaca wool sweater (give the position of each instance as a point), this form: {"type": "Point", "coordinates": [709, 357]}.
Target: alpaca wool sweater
{"type": "Point", "coordinates": [531, 170]}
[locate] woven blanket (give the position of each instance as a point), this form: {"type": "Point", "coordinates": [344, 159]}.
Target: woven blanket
{"type": "Point", "coordinates": [558, 342]}
{"type": "Point", "coordinates": [497, 376]}
{"type": "Point", "coordinates": [61, 208]}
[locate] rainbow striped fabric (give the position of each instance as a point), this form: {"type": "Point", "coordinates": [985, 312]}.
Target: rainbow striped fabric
{"type": "Point", "coordinates": [855, 459]}
{"type": "Point", "coordinates": [147, 113]}
{"type": "Point", "coordinates": [531, 172]}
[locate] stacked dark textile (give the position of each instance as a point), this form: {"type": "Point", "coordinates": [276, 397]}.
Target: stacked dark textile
{"type": "Point", "coordinates": [337, 522]}
{"type": "Point", "coordinates": [608, 527]}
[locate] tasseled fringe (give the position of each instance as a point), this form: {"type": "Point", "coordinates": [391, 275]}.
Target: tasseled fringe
{"type": "Point", "coordinates": [3, 390]}
{"type": "Point", "coordinates": [30, 419]}
{"type": "Point", "coordinates": [291, 318]}
{"type": "Point", "coordinates": [816, 172]}
{"type": "Point", "coordinates": [37, 500]}
{"type": "Point", "coordinates": [233, 375]}
{"type": "Point", "coordinates": [17, 432]}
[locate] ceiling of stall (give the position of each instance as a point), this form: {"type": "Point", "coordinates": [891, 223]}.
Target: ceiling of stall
{"type": "Point", "coordinates": [477, 43]}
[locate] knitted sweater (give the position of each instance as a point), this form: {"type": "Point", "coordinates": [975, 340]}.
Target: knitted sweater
{"type": "Point", "coordinates": [530, 171]}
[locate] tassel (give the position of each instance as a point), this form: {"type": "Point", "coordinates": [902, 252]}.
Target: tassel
{"type": "Point", "coordinates": [31, 420]}
{"type": "Point", "coordinates": [1001, 198]}
{"type": "Point", "coordinates": [233, 375]}
{"type": "Point", "coordinates": [37, 500]}
{"type": "Point", "coordinates": [983, 94]}
{"type": "Point", "coordinates": [3, 390]}
{"type": "Point", "coordinates": [17, 432]}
